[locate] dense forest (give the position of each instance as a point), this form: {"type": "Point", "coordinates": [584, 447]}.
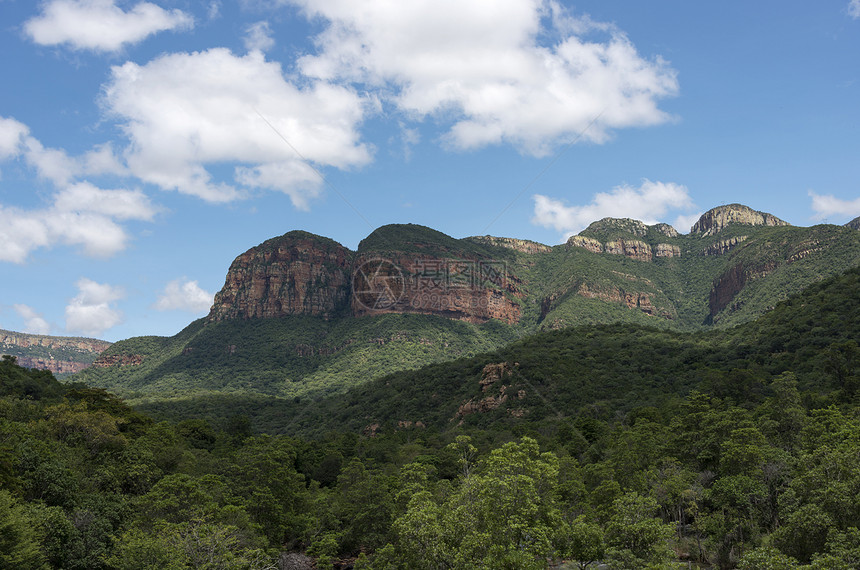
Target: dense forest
{"type": "Point", "coordinates": [631, 447]}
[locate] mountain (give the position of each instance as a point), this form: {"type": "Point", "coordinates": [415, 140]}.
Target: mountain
{"type": "Point", "coordinates": [583, 373]}
{"type": "Point", "coordinates": [302, 316]}
{"type": "Point", "coordinates": [854, 224]}
{"type": "Point", "coordinates": [60, 355]}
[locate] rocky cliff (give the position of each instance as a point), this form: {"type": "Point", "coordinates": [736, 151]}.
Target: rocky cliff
{"type": "Point", "coordinates": [400, 269]}
{"type": "Point", "coordinates": [713, 221]}
{"type": "Point", "coordinates": [630, 238]}
{"type": "Point", "coordinates": [60, 355]}
{"type": "Point", "coordinates": [297, 273]}
{"type": "Point", "coordinates": [854, 224]}
{"type": "Point", "coordinates": [407, 268]}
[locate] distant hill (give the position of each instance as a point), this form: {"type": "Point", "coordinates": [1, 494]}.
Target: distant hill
{"type": "Point", "coordinates": [301, 316]}
{"type": "Point", "coordinates": [61, 355]}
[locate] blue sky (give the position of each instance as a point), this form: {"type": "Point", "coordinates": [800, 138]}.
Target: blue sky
{"type": "Point", "coordinates": [144, 145]}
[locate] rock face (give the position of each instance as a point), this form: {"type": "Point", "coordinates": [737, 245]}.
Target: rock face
{"type": "Point", "coordinates": [60, 355]}
{"type": "Point", "coordinates": [623, 236]}
{"type": "Point", "coordinates": [634, 249]}
{"type": "Point", "coordinates": [521, 245]}
{"type": "Point", "coordinates": [24, 340]}
{"type": "Point", "coordinates": [723, 246]}
{"type": "Point", "coordinates": [730, 283]}
{"type": "Point", "coordinates": [667, 250]}
{"type": "Point", "coordinates": [854, 224]}
{"type": "Point", "coordinates": [472, 290]}
{"type": "Point", "coordinates": [713, 221]}
{"type": "Point", "coordinates": [626, 225]}
{"type": "Point", "coordinates": [296, 274]}
{"type": "Point", "coordinates": [587, 243]}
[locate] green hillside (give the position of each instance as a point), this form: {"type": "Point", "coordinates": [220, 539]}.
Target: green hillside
{"type": "Point", "coordinates": [582, 372]}
{"type": "Point", "coordinates": [289, 357]}
{"type": "Point", "coordinates": [628, 447]}
{"type": "Point", "coordinates": [706, 282]}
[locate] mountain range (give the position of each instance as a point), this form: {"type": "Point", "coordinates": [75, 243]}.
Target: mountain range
{"type": "Point", "coordinates": [301, 316]}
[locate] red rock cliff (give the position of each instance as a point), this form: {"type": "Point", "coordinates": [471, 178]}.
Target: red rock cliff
{"type": "Point", "coordinates": [296, 274]}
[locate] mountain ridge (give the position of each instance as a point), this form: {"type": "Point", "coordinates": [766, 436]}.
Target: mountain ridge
{"type": "Point", "coordinates": [302, 316]}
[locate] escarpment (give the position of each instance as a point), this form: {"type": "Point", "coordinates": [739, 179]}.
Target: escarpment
{"type": "Point", "coordinates": [715, 220]}
{"type": "Point", "coordinates": [296, 274]}
{"type": "Point", "coordinates": [653, 271]}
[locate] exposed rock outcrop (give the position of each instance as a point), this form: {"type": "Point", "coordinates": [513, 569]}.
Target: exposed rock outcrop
{"type": "Point", "coordinates": [666, 230]}
{"type": "Point", "coordinates": [492, 373]}
{"type": "Point", "coordinates": [60, 355]}
{"type": "Point", "coordinates": [613, 225]}
{"type": "Point", "coordinates": [521, 245]}
{"type": "Point", "coordinates": [723, 246]}
{"type": "Point", "coordinates": [634, 249]}
{"type": "Point", "coordinates": [588, 243]}
{"type": "Point", "coordinates": [24, 340]}
{"type": "Point", "coordinates": [730, 283]}
{"type": "Point", "coordinates": [471, 290]}
{"type": "Point", "coordinates": [667, 250]}
{"type": "Point", "coordinates": [713, 221]}
{"type": "Point", "coordinates": [55, 366]}
{"type": "Point", "coordinates": [296, 274]}
{"type": "Point", "coordinates": [854, 224]}
{"type": "Point", "coordinates": [633, 300]}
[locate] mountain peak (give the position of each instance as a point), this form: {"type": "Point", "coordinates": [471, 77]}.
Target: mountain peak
{"type": "Point", "coordinates": [854, 224]}
{"type": "Point", "coordinates": [713, 221]}
{"type": "Point", "coordinates": [614, 225]}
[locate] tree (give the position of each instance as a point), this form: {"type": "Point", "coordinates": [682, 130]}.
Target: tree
{"type": "Point", "coordinates": [19, 539]}
{"type": "Point", "coordinates": [635, 536]}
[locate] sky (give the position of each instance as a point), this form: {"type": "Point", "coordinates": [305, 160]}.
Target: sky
{"type": "Point", "coordinates": [145, 144]}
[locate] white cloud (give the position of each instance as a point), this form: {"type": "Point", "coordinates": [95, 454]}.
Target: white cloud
{"type": "Point", "coordinates": [258, 36]}
{"type": "Point", "coordinates": [649, 203]}
{"type": "Point", "coordinates": [100, 25]}
{"type": "Point", "coordinates": [81, 214]}
{"type": "Point", "coordinates": [685, 222]}
{"type": "Point", "coordinates": [827, 205]}
{"type": "Point", "coordinates": [489, 67]}
{"type": "Point", "coordinates": [53, 164]}
{"type": "Point", "coordinates": [185, 111]}
{"type": "Point", "coordinates": [854, 9]}
{"type": "Point", "coordinates": [91, 311]}
{"type": "Point", "coordinates": [12, 135]}
{"type": "Point", "coordinates": [33, 321]}
{"type": "Point", "coordinates": [119, 204]}
{"type": "Point", "coordinates": [185, 295]}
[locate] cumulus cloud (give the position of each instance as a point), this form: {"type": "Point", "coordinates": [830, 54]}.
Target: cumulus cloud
{"type": "Point", "coordinates": [258, 36]}
{"type": "Point", "coordinates": [81, 214]}
{"type": "Point", "coordinates": [91, 311]}
{"type": "Point", "coordinates": [649, 203]}
{"type": "Point", "coordinates": [186, 111]}
{"type": "Point", "coordinates": [52, 164]}
{"type": "Point", "coordinates": [33, 321]}
{"type": "Point", "coordinates": [854, 9]}
{"type": "Point", "coordinates": [101, 25]}
{"type": "Point", "coordinates": [12, 136]}
{"type": "Point", "coordinates": [522, 72]}
{"type": "Point", "coordinates": [827, 205]}
{"type": "Point", "coordinates": [185, 295]}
